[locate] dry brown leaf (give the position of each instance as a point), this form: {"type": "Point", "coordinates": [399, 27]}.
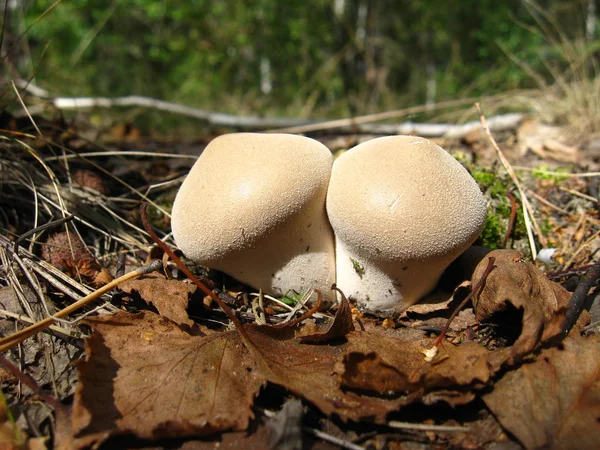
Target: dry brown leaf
{"type": "Point", "coordinates": [342, 325]}
{"type": "Point", "coordinates": [514, 281]}
{"type": "Point", "coordinates": [553, 402]}
{"type": "Point", "coordinates": [348, 379]}
{"type": "Point", "coordinates": [309, 371]}
{"type": "Point", "coordinates": [388, 365]}
{"type": "Point", "coordinates": [436, 301]}
{"type": "Point", "coordinates": [169, 297]}
{"type": "Point", "coordinates": [144, 375]}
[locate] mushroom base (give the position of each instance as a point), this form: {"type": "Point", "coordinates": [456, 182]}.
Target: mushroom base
{"type": "Point", "coordinates": [294, 257]}
{"type": "Point", "coordinates": [386, 287]}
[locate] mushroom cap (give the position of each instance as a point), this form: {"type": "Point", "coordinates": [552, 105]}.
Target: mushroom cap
{"type": "Point", "coordinates": [402, 209]}
{"type": "Point", "coordinates": [253, 206]}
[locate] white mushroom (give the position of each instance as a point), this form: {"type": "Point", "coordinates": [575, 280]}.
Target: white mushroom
{"type": "Point", "coordinates": [253, 206]}
{"type": "Point", "coordinates": [401, 209]}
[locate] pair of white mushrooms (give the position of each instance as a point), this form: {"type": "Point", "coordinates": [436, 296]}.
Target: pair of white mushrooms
{"type": "Point", "coordinates": [382, 222]}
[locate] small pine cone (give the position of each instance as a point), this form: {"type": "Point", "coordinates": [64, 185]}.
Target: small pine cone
{"type": "Point", "coordinates": [89, 179]}
{"type": "Point", "coordinates": [57, 251]}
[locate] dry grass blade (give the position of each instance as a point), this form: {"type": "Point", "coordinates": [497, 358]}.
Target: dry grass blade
{"type": "Point", "coordinates": [121, 153]}
{"type": "Point", "coordinates": [425, 427]}
{"type": "Point", "coordinates": [527, 209]}
{"type": "Point", "coordinates": [16, 338]}
{"type": "Point", "coordinates": [557, 174]}
{"type": "Point", "coordinates": [26, 319]}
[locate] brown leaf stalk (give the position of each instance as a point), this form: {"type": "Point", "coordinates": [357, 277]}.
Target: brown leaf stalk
{"type": "Point", "coordinates": [209, 292]}
{"type": "Point", "coordinates": [474, 291]}
{"type": "Point", "coordinates": [164, 247]}
{"type": "Point", "coordinates": [30, 383]}
{"type": "Point", "coordinates": [306, 315]}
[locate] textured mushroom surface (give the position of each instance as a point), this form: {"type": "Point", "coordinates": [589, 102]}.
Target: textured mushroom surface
{"type": "Point", "coordinates": [253, 206]}
{"type": "Point", "coordinates": [402, 209]}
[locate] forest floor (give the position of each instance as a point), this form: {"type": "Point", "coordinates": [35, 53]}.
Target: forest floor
{"type": "Point", "coordinates": [156, 363]}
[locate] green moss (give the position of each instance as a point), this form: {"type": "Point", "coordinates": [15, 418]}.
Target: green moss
{"type": "Point", "coordinates": [540, 172]}
{"type": "Point", "coordinates": [493, 232]}
{"type": "Point", "coordinates": [495, 188]}
{"type": "Point", "coordinates": [490, 183]}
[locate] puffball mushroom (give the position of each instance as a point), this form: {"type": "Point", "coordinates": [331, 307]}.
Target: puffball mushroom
{"type": "Point", "coordinates": [401, 209]}
{"type": "Point", "coordinates": [253, 206]}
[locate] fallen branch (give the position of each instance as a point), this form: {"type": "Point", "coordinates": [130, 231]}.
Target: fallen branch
{"type": "Point", "coordinates": [359, 125]}
{"type": "Point", "coordinates": [503, 122]}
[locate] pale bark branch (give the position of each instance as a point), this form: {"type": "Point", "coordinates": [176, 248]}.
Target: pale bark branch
{"type": "Point", "coordinates": [254, 123]}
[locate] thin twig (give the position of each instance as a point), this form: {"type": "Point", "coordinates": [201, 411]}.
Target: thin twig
{"type": "Point", "coordinates": [577, 301]}
{"type": "Point", "coordinates": [557, 174]}
{"type": "Point", "coordinates": [589, 241]}
{"type": "Point", "coordinates": [30, 383]}
{"type": "Point", "coordinates": [121, 153]}
{"type": "Point", "coordinates": [354, 121]}
{"type": "Point", "coordinates": [579, 194]}
{"type": "Point", "coordinates": [307, 314]}
{"type": "Point", "coordinates": [165, 248]}
{"type": "Point", "coordinates": [332, 439]}
{"type": "Point", "coordinates": [42, 228]}
{"type": "Point", "coordinates": [541, 199]}
{"type": "Point", "coordinates": [21, 317]}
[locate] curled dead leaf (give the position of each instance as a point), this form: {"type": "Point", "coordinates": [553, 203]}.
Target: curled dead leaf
{"type": "Point", "coordinates": [518, 285]}
{"type": "Point", "coordinates": [342, 324]}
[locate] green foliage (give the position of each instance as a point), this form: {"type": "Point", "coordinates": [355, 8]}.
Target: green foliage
{"type": "Point", "coordinates": [296, 57]}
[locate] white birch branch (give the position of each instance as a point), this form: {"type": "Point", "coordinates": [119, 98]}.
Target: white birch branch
{"type": "Point", "coordinates": [254, 123]}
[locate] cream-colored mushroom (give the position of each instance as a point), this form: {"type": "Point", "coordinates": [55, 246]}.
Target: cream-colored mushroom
{"type": "Point", "coordinates": [401, 209]}
{"type": "Point", "coordinates": [253, 206]}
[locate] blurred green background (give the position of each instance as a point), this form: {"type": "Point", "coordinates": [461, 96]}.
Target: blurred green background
{"type": "Point", "coordinates": [313, 58]}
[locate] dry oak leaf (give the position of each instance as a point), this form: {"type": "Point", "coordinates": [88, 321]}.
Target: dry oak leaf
{"type": "Point", "coordinates": [514, 281]}
{"type": "Point", "coordinates": [553, 402]}
{"type": "Point", "coordinates": [144, 375]}
{"type": "Point", "coordinates": [169, 297]}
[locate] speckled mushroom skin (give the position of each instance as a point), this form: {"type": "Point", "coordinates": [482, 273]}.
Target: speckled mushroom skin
{"type": "Point", "coordinates": [253, 206]}
{"type": "Point", "coordinates": [402, 210]}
